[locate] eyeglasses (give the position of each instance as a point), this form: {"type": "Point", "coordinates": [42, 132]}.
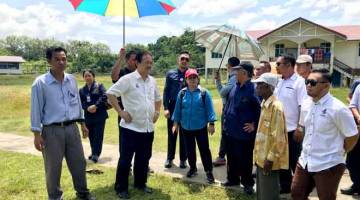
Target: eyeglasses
{"type": "Point", "coordinates": [279, 63]}
{"type": "Point", "coordinates": [313, 82]}
{"type": "Point", "coordinates": [192, 77]}
{"type": "Point", "coordinates": [184, 59]}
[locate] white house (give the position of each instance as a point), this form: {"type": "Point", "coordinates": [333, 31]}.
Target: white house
{"type": "Point", "coordinates": [336, 48]}
{"type": "Point", "coordinates": [11, 64]}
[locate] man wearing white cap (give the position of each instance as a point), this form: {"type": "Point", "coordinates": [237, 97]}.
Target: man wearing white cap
{"type": "Point", "coordinates": [304, 65]}
{"type": "Point", "coordinates": [271, 152]}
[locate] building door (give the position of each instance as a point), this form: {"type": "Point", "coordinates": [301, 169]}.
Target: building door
{"type": "Point", "coordinates": [336, 78]}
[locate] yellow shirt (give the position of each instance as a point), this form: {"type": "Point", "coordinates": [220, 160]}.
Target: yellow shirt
{"type": "Point", "coordinates": [271, 138]}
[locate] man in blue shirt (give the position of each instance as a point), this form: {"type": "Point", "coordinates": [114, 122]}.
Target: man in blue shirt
{"type": "Point", "coordinates": [55, 109]}
{"type": "Point", "coordinates": [175, 81]}
{"type": "Point", "coordinates": [241, 116]}
{"type": "Point", "coordinates": [224, 91]}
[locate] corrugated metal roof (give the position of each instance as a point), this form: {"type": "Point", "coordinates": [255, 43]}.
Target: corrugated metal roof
{"type": "Point", "coordinates": [16, 59]}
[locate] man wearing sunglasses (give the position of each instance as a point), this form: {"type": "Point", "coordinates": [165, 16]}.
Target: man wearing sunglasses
{"type": "Point", "coordinates": [291, 92]}
{"type": "Point", "coordinates": [175, 81]}
{"type": "Point", "coordinates": [330, 131]}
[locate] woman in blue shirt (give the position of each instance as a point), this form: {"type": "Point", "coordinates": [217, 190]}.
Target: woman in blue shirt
{"type": "Point", "coordinates": [93, 100]}
{"type": "Point", "coordinates": [193, 112]}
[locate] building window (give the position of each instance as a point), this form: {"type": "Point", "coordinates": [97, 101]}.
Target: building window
{"type": "Point", "coordinates": [9, 66]}
{"type": "Point", "coordinates": [216, 55]}
{"type": "Point", "coordinates": [325, 46]}
{"type": "Point", "coordinates": [279, 49]}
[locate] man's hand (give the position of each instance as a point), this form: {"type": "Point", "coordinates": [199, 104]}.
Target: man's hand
{"type": "Point", "coordinates": [211, 129]}
{"type": "Point", "coordinates": [249, 127]}
{"type": "Point", "coordinates": [122, 53]}
{"type": "Point", "coordinates": [298, 135]}
{"type": "Point", "coordinates": [126, 116]}
{"type": "Point", "coordinates": [156, 116]}
{"type": "Point", "coordinates": [167, 114]}
{"type": "Point", "coordinates": [217, 76]}
{"type": "Point", "coordinates": [39, 142]}
{"type": "Point", "coordinates": [268, 166]}
{"type": "Point", "coordinates": [84, 130]}
{"type": "Point", "coordinates": [175, 128]}
{"type": "Point", "coordinates": [92, 109]}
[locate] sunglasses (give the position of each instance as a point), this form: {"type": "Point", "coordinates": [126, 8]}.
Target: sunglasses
{"type": "Point", "coordinates": [313, 82]}
{"type": "Point", "coordinates": [184, 59]}
{"type": "Point", "coordinates": [280, 63]}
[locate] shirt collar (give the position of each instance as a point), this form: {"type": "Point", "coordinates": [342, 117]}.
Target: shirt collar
{"type": "Point", "coordinates": [138, 76]}
{"type": "Point", "coordinates": [51, 79]}
{"type": "Point", "coordinates": [268, 101]}
{"type": "Point", "coordinates": [247, 84]}
{"type": "Point", "coordinates": [323, 99]}
{"type": "Point", "coordinates": [232, 73]}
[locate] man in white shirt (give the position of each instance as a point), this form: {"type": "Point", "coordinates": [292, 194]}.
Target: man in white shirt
{"type": "Point", "coordinates": [290, 91]}
{"type": "Point", "coordinates": [142, 101]}
{"type": "Point", "coordinates": [330, 132]}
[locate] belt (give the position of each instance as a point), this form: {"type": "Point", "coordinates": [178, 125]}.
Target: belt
{"type": "Point", "coordinates": [65, 123]}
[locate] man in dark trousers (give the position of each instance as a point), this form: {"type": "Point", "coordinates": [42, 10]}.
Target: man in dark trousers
{"type": "Point", "coordinates": [175, 81]}
{"type": "Point", "coordinates": [241, 116]}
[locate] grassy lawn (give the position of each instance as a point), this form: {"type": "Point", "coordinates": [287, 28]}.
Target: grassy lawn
{"type": "Point", "coordinates": [15, 109]}
{"type": "Point", "coordinates": [22, 177]}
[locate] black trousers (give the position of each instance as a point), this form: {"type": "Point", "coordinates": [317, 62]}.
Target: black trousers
{"type": "Point", "coordinates": [96, 136]}
{"type": "Point", "coordinates": [172, 138]}
{"type": "Point", "coordinates": [353, 165]}
{"type": "Point", "coordinates": [294, 154]}
{"type": "Point", "coordinates": [201, 138]}
{"type": "Point", "coordinates": [222, 149]}
{"type": "Point", "coordinates": [240, 160]}
{"type": "Point", "coordinates": [132, 143]}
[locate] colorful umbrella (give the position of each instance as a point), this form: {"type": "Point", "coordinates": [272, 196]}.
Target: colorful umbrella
{"type": "Point", "coordinates": [132, 8]}
{"type": "Point", "coordinates": [229, 41]}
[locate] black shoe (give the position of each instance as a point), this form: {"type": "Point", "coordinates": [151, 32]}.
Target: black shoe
{"type": "Point", "coordinates": [249, 190]}
{"type": "Point", "coordinates": [85, 196]}
{"type": "Point", "coordinates": [90, 157]}
{"type": "Point", "coordinates": [229, 184]}
{"type": "Point", "coordinates": [349, 191]}
{"type": "Point", "coordinates": [95, 158]}
{"type": "Point", "coordinates": [123, 195]}
{"type": "Point", "coordinates": [182, 164]}
{"type": "Point", "coordinates": [191, 173]}
{"type": "Point", "coordinates": [150, 171]}
{"type": "Point", "coordinates": [145, 189]}
{"type": "Point", "coordinates": [210, 177]}
{"type": "Point", "coordinates": [168, 163]}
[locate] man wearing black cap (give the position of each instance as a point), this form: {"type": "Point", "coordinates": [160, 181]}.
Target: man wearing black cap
{"type": "Point", "coordinates": [241, 116]}
{"type": "Point", "coordinates": [224, 91]}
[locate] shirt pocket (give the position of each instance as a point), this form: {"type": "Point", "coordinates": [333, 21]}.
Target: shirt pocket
{"type": "Point", "coordinates": [73, 97]}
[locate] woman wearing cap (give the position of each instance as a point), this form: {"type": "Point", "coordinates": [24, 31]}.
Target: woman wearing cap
{"type": "Point", "coordinates": [194, 115]}
{"type": "Point", "coordinates": [93, 100]}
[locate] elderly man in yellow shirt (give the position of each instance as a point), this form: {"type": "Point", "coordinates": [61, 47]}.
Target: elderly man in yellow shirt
{"type": "Point", "coordinates": [271, 151]}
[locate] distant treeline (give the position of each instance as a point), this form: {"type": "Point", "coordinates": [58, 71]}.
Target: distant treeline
{"type": "Point", "coordinates": [98, 56]}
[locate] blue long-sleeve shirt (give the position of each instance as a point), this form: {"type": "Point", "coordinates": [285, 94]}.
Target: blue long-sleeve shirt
{"type": "Point", "coordinates": [242, 107]}
{"type": "Point", "coordinates": [54, 101]}
{"type": "Point", "coordinates": [95, 96]}
{"type": "Point", "coordinates": [224, 90]}
{"type": "Point", "coordinates": [175, 81]}
{"type": "Point", "coordinates": [192, 112]}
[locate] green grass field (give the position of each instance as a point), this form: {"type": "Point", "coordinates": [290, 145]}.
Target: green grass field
{"type": "Point", "coordinates": [22, 177]}
{"type": "Point", "coordinates": [15, 110]}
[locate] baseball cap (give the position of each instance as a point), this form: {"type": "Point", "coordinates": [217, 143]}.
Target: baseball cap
{"type": "Point", "coordinates": [190, 72]}
{"type": "Point", "coordinates": [304, 59]}
{"type": "Point", "coordinates": [268, 78]}
{"type": "Point", "coordinates": [245, 65]}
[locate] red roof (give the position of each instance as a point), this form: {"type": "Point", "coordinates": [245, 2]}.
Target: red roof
{"type": "Point", "coordinates": [352, 32]}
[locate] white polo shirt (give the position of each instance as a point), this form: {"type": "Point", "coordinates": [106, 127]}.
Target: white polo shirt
{"type": "Point", "coordinates": [355, 100]}
{"type": "Point", "coordinates": [138, 97]}
{"type": "Point", "coordinates": [291, 92]}
{"type": "Point", "coordinates": [327, 124]}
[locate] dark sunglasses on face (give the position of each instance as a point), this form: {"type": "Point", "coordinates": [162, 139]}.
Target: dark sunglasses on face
{"type": "Point", "coordinates": [313, 82]}
{"type": "Point", "coordinates": [184, 59]}
{"type": "Point", "coordinates": [279, 63]}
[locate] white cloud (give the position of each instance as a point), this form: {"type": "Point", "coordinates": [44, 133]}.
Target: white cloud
{"type": "Point", "coordinates": [214, 7]}
{"type": "Point", "coordinates": [275, 10]}
{"type": "Point", "coordinates": [264, 24]}
{"type": "Point", "coordinates": [243, 20]}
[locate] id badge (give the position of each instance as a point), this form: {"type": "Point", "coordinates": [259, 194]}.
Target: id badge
{"type": "Point", "coordinates": [88, 99]}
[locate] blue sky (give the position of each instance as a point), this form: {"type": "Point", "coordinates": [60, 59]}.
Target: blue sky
{"type": "Point", "coordinates": [57, 19]}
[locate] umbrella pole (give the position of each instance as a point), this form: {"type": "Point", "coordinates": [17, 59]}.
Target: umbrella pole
{"type": "Point", "coordinates": [123, 23]}
{"type": "Point", "coordinates": [223, 56]}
